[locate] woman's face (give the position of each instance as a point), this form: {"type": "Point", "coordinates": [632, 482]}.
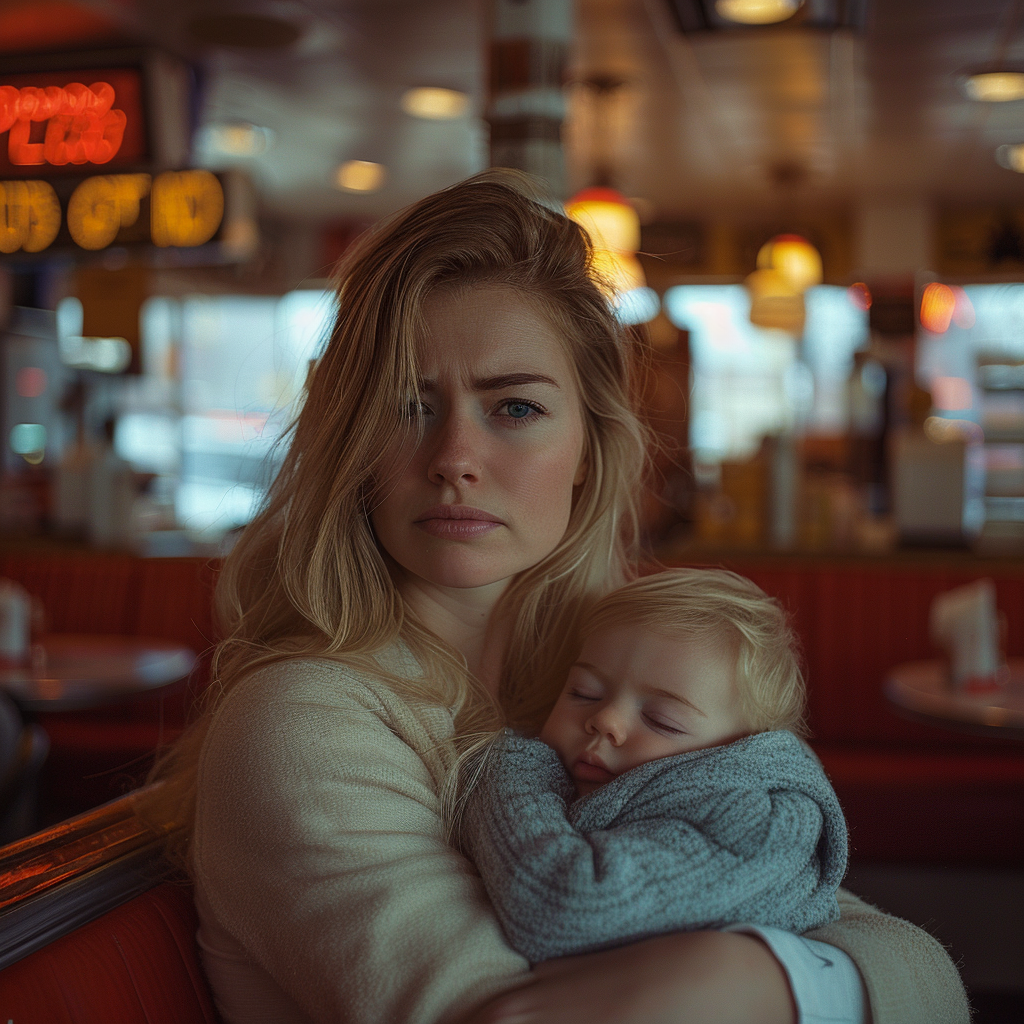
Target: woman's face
{"type": "Point", "coordinates": [488, 490]}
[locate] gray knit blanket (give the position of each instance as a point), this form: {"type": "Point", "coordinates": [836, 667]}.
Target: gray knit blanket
{"type": "Point", "coordinates": [750, 832]}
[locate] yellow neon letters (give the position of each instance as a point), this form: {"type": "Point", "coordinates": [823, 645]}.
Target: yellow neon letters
{"type": "Point", "coordinates": [29, 215]}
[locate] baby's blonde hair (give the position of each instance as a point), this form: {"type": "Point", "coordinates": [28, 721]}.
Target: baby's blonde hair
{"type": "Point", "coordinates": [715, 605]}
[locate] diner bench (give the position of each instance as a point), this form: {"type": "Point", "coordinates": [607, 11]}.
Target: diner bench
{"type": "Point", "coordinates": [93, 928]}
{"type": "Point", "coordinates": [912, 792]}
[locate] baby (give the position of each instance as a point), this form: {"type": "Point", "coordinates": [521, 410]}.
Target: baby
{"type": "Point", "coordinates": [668, 790]}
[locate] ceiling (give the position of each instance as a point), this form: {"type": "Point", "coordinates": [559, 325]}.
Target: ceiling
{"type": "Point", "coordinates": [736, 122]}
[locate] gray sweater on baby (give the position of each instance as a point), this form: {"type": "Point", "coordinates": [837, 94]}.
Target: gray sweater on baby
{"type": "Point", "coordinates": [750, 832]}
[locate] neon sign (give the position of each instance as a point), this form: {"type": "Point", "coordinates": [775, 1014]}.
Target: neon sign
{"type": "Point", "coordinates": [29, 215]}
{"type": "Point", "coordinates": [82, 124]}
{"type": "Point", "coordinates": [185, 209]}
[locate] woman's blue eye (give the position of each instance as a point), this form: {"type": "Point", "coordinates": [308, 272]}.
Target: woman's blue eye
{"type": "Point", "coordinates": [521, 411]}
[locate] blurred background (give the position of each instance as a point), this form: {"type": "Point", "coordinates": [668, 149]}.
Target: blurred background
{"type": "Point", "coordinates": [799, 408]}
{"type": "Point", "coordinates": [811, 217]}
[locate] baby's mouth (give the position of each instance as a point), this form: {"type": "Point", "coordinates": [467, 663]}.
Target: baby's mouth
{"type": "Point", "coordinates": [589, 769]}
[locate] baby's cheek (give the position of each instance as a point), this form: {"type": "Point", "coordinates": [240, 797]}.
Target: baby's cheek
{"type": "Point", "coordinates": [554, 734]}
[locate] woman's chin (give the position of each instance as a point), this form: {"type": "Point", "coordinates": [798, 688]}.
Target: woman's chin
{"type": "Point", "coordinates": [451, 575]}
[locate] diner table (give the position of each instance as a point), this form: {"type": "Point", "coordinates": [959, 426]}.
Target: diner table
{"type": "Point", "coordinates": [923, 690]}
{"type": "Point", "coordinates": [74, 671]}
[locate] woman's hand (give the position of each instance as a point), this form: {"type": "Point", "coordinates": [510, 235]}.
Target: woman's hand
{"type": "Point", "coordinates": [683, 978]}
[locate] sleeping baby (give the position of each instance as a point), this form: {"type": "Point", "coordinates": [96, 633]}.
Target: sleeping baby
{"type": "Point", "coordinates": [669, 789]}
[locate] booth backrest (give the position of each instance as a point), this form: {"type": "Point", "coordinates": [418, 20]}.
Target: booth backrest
{"type": "Point", "coordinates": [137, 964]}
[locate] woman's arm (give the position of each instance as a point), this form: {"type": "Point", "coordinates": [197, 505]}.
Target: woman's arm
{"type": "Point", "coordinates": [691, 978]}
{"type": "Point", "coordinates": [319, 849]}
{"type": "Point", "coordinates": [909, 977]}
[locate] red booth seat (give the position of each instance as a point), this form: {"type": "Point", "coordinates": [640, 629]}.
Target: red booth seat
{"type": "Point", "coordinates": [138, 964]}
{"type": "Point", "coordinates": [91, 929]}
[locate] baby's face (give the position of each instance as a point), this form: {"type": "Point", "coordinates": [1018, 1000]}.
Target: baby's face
{"type": "Point", "coordinates": [635, 695]}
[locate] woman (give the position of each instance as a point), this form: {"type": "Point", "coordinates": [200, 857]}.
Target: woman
{"type": "Point", "coordinates": [462, 477]}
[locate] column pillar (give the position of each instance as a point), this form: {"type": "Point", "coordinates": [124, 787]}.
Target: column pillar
{"type": "Point", "coordinates": [527, 56]}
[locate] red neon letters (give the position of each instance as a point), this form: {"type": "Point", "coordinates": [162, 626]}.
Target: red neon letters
{"type": "Point", "coordinates": [82, 126]}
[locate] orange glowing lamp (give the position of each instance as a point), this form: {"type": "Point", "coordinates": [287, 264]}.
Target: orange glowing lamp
{"type": "Point", "coordinates": [938, 302]}
{"type": "Point", "coordinates": [774, 303]}
{"type": "Point", "coordinates": [614, 229]}
{"type": "Point", "coordinates": [617, 272]}
{"type": "Point", "coordinates": [607, 216]}
{"type": "Point", "coordinates": [794, 258]}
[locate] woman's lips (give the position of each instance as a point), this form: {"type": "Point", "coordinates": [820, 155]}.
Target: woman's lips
{"type": "Point", "coordinates": [586, 771]}
{"type": "Point", "coordinates": [457, 521]}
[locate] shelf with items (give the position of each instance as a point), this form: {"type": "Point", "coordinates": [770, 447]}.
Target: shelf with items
{"type": "Point", "coordinates": [1000, 381]}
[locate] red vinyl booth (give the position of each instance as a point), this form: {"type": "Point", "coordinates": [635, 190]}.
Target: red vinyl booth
{"type": "Point", "coordinates": [92, 930]}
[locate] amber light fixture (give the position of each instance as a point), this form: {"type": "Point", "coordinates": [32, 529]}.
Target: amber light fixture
{"type": "Point", "coordinates": [435, 104]}
{"type": "Point", "coordinates": [942, 305]}
{"type": "Point", "coordinates": [1011, 157]}
{"type": "Point", "coordinates": [614, 229]}
{"type": "Point", "coordinates": [794, 258]}
{"type": "Point", "coordinates": [787, 265]}
{"type": "Point", "coordinates": [998, 85]}
{"type": "Point", "coordinates": [360, 176]}
{"type": "Point", "coordinates": [757, 12]}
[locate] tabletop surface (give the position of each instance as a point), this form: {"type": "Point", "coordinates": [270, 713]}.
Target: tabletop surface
{"type": "Point", "coordinates": [924, 689]}
{"type": "Point", "coordinates": [72, 671]}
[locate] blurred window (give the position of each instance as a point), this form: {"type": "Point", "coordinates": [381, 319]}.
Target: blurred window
{"type": "Point", "coordinates": [749, 382]}
{"type": "Point", "coordinates": [223, 378]}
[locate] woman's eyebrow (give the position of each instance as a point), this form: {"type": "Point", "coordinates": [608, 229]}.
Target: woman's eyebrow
{"type": "Point", "coordinates": [499, 381]}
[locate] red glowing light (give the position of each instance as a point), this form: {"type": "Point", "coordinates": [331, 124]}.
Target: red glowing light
{"type": "Point", "coordinates": [860, 295]}
{"type": "Point", "coordinates": [30, 381]}
{"type": "Point", "coordinates": [937, 305]}
{"type": "Point", "coordinates": [82, 126]}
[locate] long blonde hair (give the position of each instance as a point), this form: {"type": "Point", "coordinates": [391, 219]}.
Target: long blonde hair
{"type": "Point", "coordinates": [307, 577]}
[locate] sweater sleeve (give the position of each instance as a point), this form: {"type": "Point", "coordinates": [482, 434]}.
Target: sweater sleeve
{"type": "Point", "coordinates": [909, 977]}
{"type": "Point", "coordinates": [319, 848]}
{"type": "Point", "coordinates": [561, 887]}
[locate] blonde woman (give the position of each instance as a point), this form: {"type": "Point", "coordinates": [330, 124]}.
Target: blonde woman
{"type": "Point", "coordinates": [462, 478]}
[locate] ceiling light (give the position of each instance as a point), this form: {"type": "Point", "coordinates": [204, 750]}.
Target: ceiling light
{"type": "Point", "coordinates": [238, 139]}
{"type": "Point", "coordinates": [360, 176]}
{"type": "Point", "coordinates": [794, 258]}
{"type": "Point", "coordinates": [757, 12]}
{"type": "Point", "coordinates": [994, 86]}
{"type": "Point", "coordinates": [1011, 157]}
{"type": "Point", "coordinates": [435, 104]}
{"type": "Point", "coordinates": [607, 216]}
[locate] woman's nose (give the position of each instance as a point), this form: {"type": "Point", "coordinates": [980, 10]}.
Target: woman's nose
{"type": "Point", "coordinates": [607, 721]}
{"type": "Point", "coordinates": [455, 451]}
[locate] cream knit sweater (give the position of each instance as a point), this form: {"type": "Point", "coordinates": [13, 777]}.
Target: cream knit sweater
{"type": "Point", "coordinates": [326, 892]}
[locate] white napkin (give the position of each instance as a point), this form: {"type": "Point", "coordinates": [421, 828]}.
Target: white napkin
{"type": "Point", "coordinates": [964, 621]}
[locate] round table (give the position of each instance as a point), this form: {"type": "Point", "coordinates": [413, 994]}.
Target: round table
{"type": "Point", "coordinates": [922, 690]}
{"type": "Point", "coordinates": [72, 671]}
